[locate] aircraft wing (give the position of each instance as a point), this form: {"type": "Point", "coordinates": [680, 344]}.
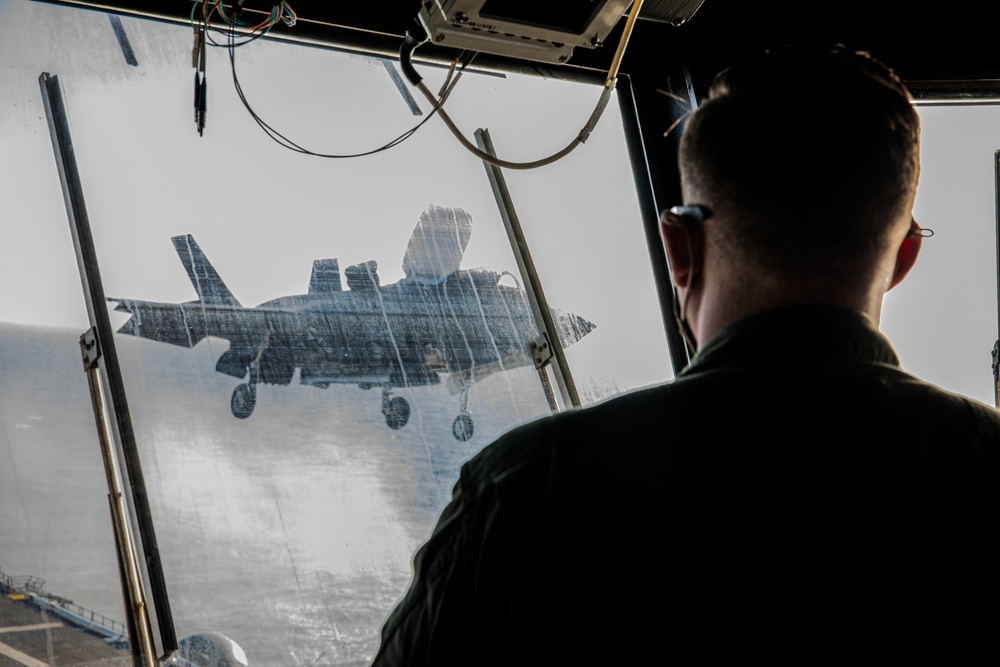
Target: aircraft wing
{"type": "Point", "coordinates": [460, 381]}
{"type": "Point", "coordinates": [570, 327]}
{"type": "Point", "coordinates": [437, 244]}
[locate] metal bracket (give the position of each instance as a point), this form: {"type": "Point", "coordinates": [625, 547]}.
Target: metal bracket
{"type": "Point", "coordinates": [90, 348]}
{"type": "Point", "coordinates": [541, 351]}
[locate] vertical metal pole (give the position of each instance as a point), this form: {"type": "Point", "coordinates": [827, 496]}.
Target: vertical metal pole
{"type": "Point", "coordinates": [996, 345]}
{"type": "Point", "coordinates": [137, 612]}
{"type": "Point", "coordinates": [539, 306]}
{"type": "Point", "coordinates": [650, 189]}
{"type": "Point", "coordinates": [119, 419]}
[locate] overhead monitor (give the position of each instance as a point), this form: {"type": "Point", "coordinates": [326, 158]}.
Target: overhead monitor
{"type": "Point", "coordinates": [531, 30]}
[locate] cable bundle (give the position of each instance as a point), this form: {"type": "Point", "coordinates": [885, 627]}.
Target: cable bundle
{"type": "Point", "coordinates": [234, 16]}
{"type": "Point", "coordinates": [238, 31]}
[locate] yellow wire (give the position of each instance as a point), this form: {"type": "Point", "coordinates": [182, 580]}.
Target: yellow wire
{"type": "Point", "coordinates": [616, 62]}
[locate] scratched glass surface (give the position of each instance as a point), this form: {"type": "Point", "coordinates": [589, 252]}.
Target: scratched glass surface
{"type": "Point", "coordinates": [311, 346]}
{"type": "Point", "coordinates": [58, 570]}
{"type": "Point", "coordinates": [287, 512]}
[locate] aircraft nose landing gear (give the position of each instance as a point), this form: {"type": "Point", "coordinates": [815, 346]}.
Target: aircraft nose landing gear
{"type": "Point", "coordinates": [243, 401]}
{"type": "Point", "coordinates": [462, 428]}
{"type": "Point", "coordinates": [396, 410]}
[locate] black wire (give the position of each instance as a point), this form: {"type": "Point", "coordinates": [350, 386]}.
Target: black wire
{"type": "Point", "coordinates": [231, 37]}
{"type": "Point", "coordinates": [284, 141]}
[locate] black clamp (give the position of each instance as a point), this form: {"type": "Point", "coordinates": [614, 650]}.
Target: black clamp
{"type": "Point", "coordinates": [90, 348]}
{"type": "Point", "coordinates": [541, 351]}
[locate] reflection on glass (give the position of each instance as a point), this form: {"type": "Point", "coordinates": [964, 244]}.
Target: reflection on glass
{"type": "Point", "coordinates": [277, 311]}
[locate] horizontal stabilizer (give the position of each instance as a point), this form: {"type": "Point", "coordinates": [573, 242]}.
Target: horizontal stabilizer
{"type": "Point", "coordinates": [175, 323]}
{"type": "Point", "coordinates": [206, 280]}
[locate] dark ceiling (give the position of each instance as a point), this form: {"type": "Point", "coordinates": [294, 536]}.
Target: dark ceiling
{"type": "Point", "coordinates": [944, 47]}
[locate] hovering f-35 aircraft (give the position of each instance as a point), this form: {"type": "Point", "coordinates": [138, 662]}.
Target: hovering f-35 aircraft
{"type": "Point", "coordinates": [438, 320]}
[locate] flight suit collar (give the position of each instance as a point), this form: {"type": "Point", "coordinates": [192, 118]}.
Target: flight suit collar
{"type": "Point", "coordinates": [796, 334]}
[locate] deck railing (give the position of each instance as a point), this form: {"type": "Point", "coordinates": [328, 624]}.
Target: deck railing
{"type": "Point", "coordinates": [33, 589]}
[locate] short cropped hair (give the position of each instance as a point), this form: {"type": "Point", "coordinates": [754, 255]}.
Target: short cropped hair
{"type": "Point", "coordinates": [811, 154]}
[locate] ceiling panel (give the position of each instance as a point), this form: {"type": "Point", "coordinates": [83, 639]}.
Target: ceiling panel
{"type": "Point", "coordinates": [922, 41]}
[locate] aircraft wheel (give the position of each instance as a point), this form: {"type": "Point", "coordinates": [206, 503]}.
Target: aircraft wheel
{"type": "Point", "coordinates": [397, 413]}
{"type": "Point", "coordinates": [243, 401]}
{"type": "Point", "coordinates": [462, 428]}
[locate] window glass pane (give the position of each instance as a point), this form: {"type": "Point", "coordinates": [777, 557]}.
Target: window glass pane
{"type": "Point", "coordinates": [943, 318]}
{"type": "Point", "coordinates": [57, 552]}
{"type": "Point", "coordinates": [301, 515]}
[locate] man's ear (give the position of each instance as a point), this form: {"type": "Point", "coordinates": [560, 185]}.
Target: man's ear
{"type": "Point", "coordinates": [680, 246]}
{"type": "Point", "coordinates": [906, 255]}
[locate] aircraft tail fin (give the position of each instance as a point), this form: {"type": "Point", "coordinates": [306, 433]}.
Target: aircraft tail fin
{"type": "Point", "coordinates": [206, 280]}
{"type": "Point", "coordinates": [438, 242]}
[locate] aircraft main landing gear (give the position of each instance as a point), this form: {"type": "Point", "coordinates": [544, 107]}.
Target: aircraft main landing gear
{"type": "Point", "coordinates": [243, 401]}
{"type": "Point", "coordinates": [245, 395]}
{"type": "Point", "coordinates": [396, 410]}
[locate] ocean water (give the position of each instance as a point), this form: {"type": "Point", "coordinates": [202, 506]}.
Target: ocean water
{"type": "Point", "coordinates": [291, 532]}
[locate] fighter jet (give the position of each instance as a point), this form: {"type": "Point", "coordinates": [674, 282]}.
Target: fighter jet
{"type": "Point", "coordinates": [438, 321]}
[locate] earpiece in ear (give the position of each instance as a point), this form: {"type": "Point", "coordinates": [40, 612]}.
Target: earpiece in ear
{"type": "Point", "coordinates": [685, 216]}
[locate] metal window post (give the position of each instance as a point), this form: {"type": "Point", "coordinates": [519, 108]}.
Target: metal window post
{"type": "Point", "coordinates": [996, 345]}
{"type": "Point", "coordinates": [550, 340]}
{"type": "Point", "coordinates": [111, 408]}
